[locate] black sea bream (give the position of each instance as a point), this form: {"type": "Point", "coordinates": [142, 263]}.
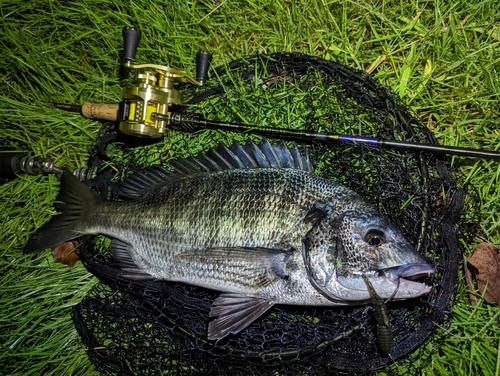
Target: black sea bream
{"type": "Point", "coordinates": [252, 222]}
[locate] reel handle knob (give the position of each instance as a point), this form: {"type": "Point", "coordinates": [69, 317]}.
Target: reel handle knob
{"type": "Point", "coordinates": [131, 38]}
{"type": "Point", "coordinates": [203, 60]}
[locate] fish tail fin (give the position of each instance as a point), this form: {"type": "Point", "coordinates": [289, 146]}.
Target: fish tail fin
{"type": "Point", "coordinates": [75, 201]}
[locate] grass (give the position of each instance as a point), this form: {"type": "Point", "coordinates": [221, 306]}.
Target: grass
{"type": "Point", "coordinates": [442, 57]}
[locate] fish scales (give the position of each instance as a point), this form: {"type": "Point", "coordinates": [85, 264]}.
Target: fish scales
{"type": "Point", "coordinates": [259, 227]}
{"type": "Point", "coordinates": [246, 208]}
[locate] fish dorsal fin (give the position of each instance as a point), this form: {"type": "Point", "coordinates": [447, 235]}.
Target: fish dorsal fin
{"type": "Point", "coordinates": [248, 156]}
{"type": "Point", "coordinates": [138, 184]}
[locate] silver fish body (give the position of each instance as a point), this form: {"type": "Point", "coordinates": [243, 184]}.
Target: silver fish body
{"type": "Point", "coordinates": [253, 222]}
{"type": "Point", "coordinates": [204, 229]}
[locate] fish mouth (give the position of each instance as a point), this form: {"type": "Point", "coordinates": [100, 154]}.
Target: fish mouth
{"type": "Point", "coordinates": [407, 276]}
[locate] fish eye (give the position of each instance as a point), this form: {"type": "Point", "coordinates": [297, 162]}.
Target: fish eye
{"type": "Point", "coordinates": [375, 238]}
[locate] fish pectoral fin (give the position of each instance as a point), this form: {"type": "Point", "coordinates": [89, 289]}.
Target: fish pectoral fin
{"type": "Point", "coordinates": [234, 313]}
{"type": "Point", "coordinates": [122, 253]}
{"type": "Point", "coordinates": [253, 268]}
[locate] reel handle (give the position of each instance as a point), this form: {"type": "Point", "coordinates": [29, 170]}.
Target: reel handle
{"type": "Point", "coordinates": [131, 38]}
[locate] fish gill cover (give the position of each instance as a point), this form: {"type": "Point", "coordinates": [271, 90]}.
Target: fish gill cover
{"type": "Point", "coordinates": [150, 328]}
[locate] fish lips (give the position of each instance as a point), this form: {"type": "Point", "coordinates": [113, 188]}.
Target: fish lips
{"type": "Point", "coordinates": [404, 276]}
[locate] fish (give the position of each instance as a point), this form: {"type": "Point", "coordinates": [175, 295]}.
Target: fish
{"type": "Point", "coordinates": [252, 222]}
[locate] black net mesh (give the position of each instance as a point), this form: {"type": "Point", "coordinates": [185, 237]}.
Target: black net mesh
{"type": "Point", "coordinates": [152, 328]}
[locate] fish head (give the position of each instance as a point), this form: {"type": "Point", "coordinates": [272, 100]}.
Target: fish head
{"type": "Point", "coordinates": [340, 250]}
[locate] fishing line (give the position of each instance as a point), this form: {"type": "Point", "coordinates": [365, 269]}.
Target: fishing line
{"type": "Point", "coordinates": [394, 293]}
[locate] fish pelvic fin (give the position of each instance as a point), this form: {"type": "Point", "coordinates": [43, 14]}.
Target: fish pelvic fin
{"type": "Point", "coordinates": [235, 312]}
{"type": "Point", "coordinates": [75, 201]}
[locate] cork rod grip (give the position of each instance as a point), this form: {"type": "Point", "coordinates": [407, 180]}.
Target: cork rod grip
{"type": "Point", "coordinates": [100, 111]}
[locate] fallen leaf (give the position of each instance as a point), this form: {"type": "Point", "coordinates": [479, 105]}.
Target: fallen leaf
{"type": "Point", "coordinates": [485, 266]}
{"type": "Point", "coordinates": [66, 253]}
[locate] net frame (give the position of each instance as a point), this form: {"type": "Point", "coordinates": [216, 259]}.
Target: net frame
{"type": "Point", "coordinates": [160, 327]}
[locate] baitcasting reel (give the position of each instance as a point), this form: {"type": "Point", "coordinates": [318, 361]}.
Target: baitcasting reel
{"type": "Point", "coordinates": [154, 91]}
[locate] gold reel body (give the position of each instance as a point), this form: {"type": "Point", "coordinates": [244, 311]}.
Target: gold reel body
{"type": "Point", "coordinates": [145, 98]}
{"type": "Point", "coordinates": [153, 92]}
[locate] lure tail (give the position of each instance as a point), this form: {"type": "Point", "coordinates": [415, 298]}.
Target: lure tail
{"type": "Point", "coordinates": [75, 201]}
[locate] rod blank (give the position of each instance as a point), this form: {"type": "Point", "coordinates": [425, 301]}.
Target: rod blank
{"type": "Point", "coordinates": [192, 123]}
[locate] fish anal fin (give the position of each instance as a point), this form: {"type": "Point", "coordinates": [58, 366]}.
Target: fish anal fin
{"type": "Point", "coordinates": [129, 269]}
{"type": "Point", "coordinates": [234, 313]}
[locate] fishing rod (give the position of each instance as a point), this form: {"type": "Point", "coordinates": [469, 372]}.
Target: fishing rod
{"type": "Point", "coordinates": [13, 163]}
{"type": "Point", "coordinates": [188, 122]}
